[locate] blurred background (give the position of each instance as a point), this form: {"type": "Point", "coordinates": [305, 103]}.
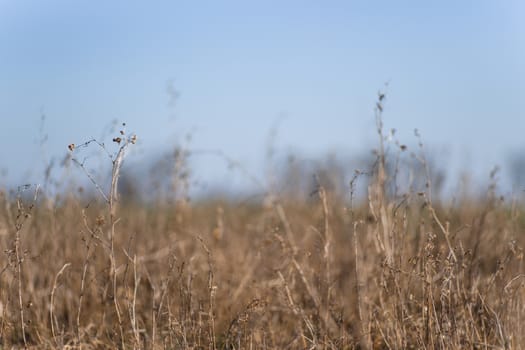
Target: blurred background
{"type": "Point", "coordinates": [255, 87]}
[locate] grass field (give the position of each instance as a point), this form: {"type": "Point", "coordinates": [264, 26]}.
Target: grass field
{"type": "Point", "coordinates": [337, 271]}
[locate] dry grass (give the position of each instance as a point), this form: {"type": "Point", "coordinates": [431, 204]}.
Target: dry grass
{"type": "Point", "coordinates": [388, 272]}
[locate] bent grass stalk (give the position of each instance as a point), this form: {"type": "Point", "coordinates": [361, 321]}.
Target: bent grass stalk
{"type": "Point", "coordinates": [112, 200]}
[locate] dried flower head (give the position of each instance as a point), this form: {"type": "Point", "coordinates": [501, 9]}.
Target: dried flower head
{"type": "Point", "coordinates": [100, 221]}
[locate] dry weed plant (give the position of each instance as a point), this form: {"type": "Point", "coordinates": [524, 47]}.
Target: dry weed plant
{"type": "Point", "coordinates": [395, 270]}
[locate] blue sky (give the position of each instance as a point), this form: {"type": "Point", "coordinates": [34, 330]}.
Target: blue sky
{"type": "Point", "coordinates": [456, 72]}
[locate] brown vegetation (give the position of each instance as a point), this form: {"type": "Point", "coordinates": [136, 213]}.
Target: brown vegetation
{"type": "Point", "coordinates": [390, 271]}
